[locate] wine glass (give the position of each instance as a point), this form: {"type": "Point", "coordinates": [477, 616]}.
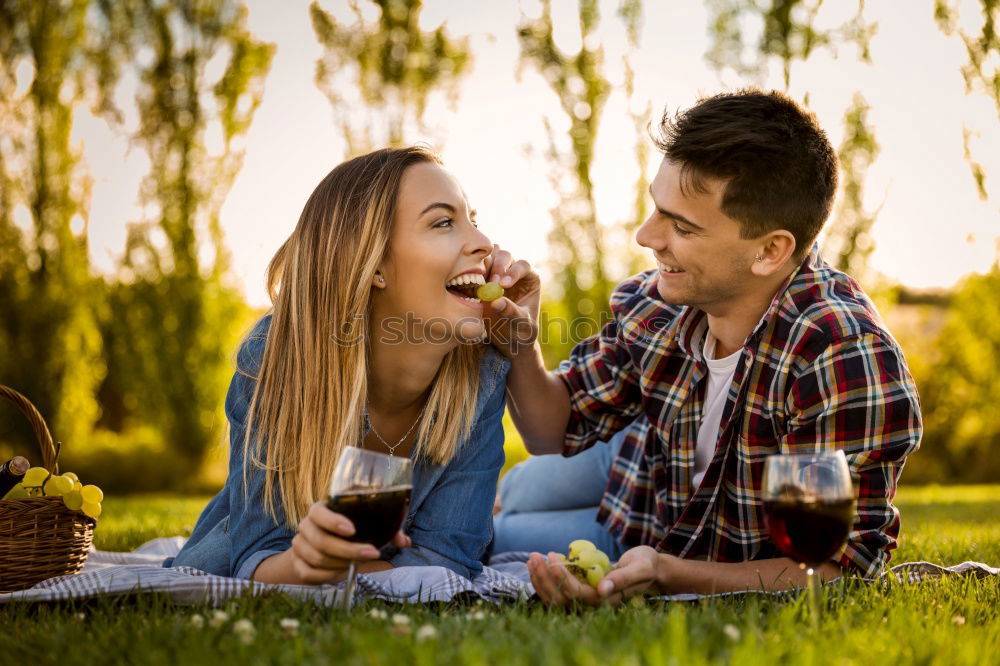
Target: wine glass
{"type": "Point", "coordinates": [809, 505]}
{"type": "Point", "coordinates": [373, 491]}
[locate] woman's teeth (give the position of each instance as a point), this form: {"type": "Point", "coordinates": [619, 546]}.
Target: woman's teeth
{"type": "Point", "coordinates": [464, 286]}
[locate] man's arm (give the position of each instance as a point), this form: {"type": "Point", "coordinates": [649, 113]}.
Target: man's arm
{"type": "Point", "coordinates": [538, 403]}
{"type": "Point", "coordinates": [642, 570]}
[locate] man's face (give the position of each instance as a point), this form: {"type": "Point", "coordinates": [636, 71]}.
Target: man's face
{"type": "Point", "coordinates": [701, 258]}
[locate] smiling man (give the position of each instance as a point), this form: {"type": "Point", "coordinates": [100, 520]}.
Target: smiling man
{"type": "Point", "coordinates": [741, 344]}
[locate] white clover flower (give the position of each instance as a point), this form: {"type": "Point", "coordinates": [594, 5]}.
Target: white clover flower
{"type": "Point", "coordinates": [476, 615]}
{"type": "Point", "coordinates": [958, 620]}
{"type": "Point", "coordinates": [401, 620]}
{"type": "Point", "coordinates": [245, 631]}
{"type": "Point", "coordinates": [289, 627]}
{"type": "Point", "coordinates": [218, 619]}
{"type": "Point", "coordinates": [197, 621]}
{"type": "Point", "coordinates": [731, 632]}
{"type": "Point", "coordinates": [377, 614]}
{"type": "Point", "coordinates": [80, 617]}
{"type": "Point", "coordinates": [426, 633]}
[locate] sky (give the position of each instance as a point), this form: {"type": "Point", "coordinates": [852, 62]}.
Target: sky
{"type": "Point", "coordinates": [932, 227]}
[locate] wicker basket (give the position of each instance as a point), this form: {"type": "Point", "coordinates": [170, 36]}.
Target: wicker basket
{"type": "Point", "coordinates": [40, 537]}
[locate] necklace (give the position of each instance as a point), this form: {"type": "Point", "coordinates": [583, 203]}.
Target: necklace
{"type": "Point", "coordinates": [392, 447]}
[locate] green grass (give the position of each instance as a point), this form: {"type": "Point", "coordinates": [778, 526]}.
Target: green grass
{"type": "Point", "coordinates": [936, 622]}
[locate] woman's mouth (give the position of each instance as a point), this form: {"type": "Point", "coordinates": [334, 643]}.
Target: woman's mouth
{"type": "Point", "coordinates": [464, 288]}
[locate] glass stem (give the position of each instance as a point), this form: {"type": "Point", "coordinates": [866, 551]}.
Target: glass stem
{"type": "Point", "coordinates": [812, 585]}
{"type": "Point", "coordinates": [348, 592]}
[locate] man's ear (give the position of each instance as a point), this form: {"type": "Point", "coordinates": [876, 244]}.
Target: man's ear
{"type": "Point", "coordinates": [774, 250]}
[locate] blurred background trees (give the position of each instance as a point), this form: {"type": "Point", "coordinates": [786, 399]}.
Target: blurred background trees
{"type": "Point", "coordinates": [131, 366]}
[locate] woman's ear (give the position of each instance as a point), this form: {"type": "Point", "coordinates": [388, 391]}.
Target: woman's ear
{"type": "Point", "coordinates": [378, 281]}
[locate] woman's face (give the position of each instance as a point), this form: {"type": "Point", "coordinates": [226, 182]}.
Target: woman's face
{"type": "Point", "coordinates": [435, 244]}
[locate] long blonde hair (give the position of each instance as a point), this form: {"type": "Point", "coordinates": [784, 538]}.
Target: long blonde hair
{"type": "Point", "coordinates": [312, 386]}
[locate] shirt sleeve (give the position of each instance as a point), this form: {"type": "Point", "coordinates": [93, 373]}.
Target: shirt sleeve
{"type": "Point", "coordinates": [603, 387]}
{"type": "Point", "coordinates": [456, 518]}
{"type": "Point", "coordinates": [858, 396]}
{"type": "Point", "coordinates": [254, 535]}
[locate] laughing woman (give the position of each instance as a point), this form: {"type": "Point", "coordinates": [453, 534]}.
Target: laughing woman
{"type": "Point", "coordinates": [371, 342]}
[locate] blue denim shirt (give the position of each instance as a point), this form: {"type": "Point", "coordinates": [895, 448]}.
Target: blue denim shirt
{"type": "Point", "coordinates": [449, 519]}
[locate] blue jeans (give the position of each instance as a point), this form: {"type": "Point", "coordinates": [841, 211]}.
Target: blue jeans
{"type": "Point", "coordinates": [549, 501]}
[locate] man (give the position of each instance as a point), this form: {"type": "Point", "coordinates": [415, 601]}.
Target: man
{"type": "Point", "coordinates": [741, 344]}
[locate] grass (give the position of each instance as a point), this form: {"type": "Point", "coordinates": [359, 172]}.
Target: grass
{"type": "Point", "coordinates": [951, 621]}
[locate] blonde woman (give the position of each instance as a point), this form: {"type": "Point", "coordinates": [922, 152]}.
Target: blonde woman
{"type": "Point", "coordinates": [371, 342]}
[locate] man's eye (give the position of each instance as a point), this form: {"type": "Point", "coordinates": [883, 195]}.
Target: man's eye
{"type": "Point", "coordinates": [680, 230]}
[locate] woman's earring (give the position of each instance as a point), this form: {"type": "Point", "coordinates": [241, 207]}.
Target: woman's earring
{"type": "Point", "coordinates": [380, 280]}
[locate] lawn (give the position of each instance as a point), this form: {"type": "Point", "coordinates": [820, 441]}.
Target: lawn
{"type": "Point", "coordinates": [943, 622]}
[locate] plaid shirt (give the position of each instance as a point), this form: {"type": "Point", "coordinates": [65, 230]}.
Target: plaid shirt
{"type": "Point", "coordinates": [819, 371]}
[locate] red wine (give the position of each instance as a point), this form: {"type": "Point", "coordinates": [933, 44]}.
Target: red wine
{"type": "Point", "coordinates": [377, 514]}
{"type": "Point", "coordinates": [809, 531]}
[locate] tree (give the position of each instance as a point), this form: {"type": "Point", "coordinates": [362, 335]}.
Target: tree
{"type": "Point", "coordinates": [849, 240]}
{"type": "Point", "coordinates": [982, 70]}
{"type": "Point", "coordinates": [50, 346]}
{"type": "Point", "coordinates": [173, 315]}
{"type": "Point", "coordinates": [575, 242]}
{"type": "Point", "coordinates": [960, 388]}
{"type": "Point", "coordinates": [789, 33]}
{"type": "Point", "coordinates": [394, 66]}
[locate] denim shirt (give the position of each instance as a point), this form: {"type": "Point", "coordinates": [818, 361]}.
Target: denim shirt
{"type": "Point", "coordinates": [449, 519]}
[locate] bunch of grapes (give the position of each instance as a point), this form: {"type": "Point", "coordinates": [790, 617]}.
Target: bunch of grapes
{"type": "Point", "coordinates": [38, 482]}
{"type": "Point", "coordinates": [586, 562]}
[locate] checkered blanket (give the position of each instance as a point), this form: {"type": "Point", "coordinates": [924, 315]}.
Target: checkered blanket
{"type": "Point", "coordinates": [505, 579]}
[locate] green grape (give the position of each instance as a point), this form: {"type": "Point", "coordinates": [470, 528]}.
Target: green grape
{"type": "Point", "coordinates": [91, 494]}
{"type": "Point", "coordinates": [595, 575]}
{"type": "Point", "coordinates": [580, 546]}
{"type": "Point", "coordinates": [92, 509]}
{"type": "Point", "coordinates": [73, 500]}
{"type": "Point", "coordinates": [593, 558]}
{"type": "Point", "coordinates": [72, 476]}
{"type": "Point", "coordinates": [58, 485]}
{"type": "Point", "coordinates": [35, 477]}
{"type": "Point", "coordinates": [490, 291]}
{"type": "Point", "coordinates": [16, 492]}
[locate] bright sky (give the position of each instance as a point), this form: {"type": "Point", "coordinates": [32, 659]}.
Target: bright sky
{"type": "Point", "coordinates": [932, 228]}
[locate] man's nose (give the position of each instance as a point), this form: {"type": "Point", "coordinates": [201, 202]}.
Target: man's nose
{"type": "Point", "coordinates": [648, 236]}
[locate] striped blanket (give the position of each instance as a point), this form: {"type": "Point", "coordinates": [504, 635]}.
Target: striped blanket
{"type": "Point", "coordinates": [505, 579]}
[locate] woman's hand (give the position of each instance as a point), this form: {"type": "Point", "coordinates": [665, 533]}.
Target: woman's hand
{"type": "Point", "coordinates": [320, 553]}
{"type": "Point", "coordinates": [513, 318]}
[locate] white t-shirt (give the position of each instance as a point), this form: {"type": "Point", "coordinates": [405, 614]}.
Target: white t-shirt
{"type": "Point", "coordinates": [720, 377]}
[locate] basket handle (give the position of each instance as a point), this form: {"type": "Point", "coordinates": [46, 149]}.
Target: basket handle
{"type": "Point", "coordinates": [49, 449]}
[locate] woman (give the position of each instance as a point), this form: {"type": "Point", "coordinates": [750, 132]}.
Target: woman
{"type": "Point", "coordinates": [373, 340]}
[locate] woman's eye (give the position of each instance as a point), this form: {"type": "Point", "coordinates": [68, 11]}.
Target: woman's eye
{"type": "Point", "coordinates": [442, 223]}
{"type": "Point", "coordinates": [680, 230]}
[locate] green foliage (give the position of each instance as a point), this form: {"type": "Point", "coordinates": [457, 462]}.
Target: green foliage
{"type": "Point", "coordinates": [849, 242]}
{"type": "Point", "coordinates": [947, 622]}
{"type": "Point", "coordinates": [982, 70]}
{"type": "Point", "coordinates": [788, 32]}
{"type": "Point", "coordinates": [395, 66]}
{"type": "Point", "coordinates": [50, 347]}
{"type": "Point", "coordinates": [959, 387]}
{"type": "Point", "coordinates": [575, 242]}
{"type": "Point", "coordinates": [173, 319]}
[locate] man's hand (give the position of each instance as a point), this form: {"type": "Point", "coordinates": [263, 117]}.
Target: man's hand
{"type": "Point", "coordinates": [636, 572]}
{"type": "Point", "coordinates": [556, 585]}
{"type": "Point", "coordinates": [512, 319]}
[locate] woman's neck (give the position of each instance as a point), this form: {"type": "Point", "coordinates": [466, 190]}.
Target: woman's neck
{"type": "Point", "coordinates": [399, 375]}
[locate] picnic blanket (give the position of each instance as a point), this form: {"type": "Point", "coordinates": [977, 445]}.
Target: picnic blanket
{"type": "Point", "coordinates": [505, 579]}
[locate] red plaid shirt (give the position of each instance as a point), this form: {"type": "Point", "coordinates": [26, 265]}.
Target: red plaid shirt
{"type": "Point", "coordinates": [819, 371]}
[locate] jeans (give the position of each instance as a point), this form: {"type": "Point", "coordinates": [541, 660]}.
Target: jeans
{"type": "Point", "coordinates": [549, 501]}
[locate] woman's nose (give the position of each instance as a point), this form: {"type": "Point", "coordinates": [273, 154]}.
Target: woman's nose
{"type": "Point", "coordinates": [479, 242]}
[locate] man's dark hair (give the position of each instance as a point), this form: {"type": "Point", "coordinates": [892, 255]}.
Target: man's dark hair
{"type": "Point", "coordinates": [779, 169]}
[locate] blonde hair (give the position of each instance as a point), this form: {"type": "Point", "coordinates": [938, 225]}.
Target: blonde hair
{"type": "Point", "coordinates": [312, 385]}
